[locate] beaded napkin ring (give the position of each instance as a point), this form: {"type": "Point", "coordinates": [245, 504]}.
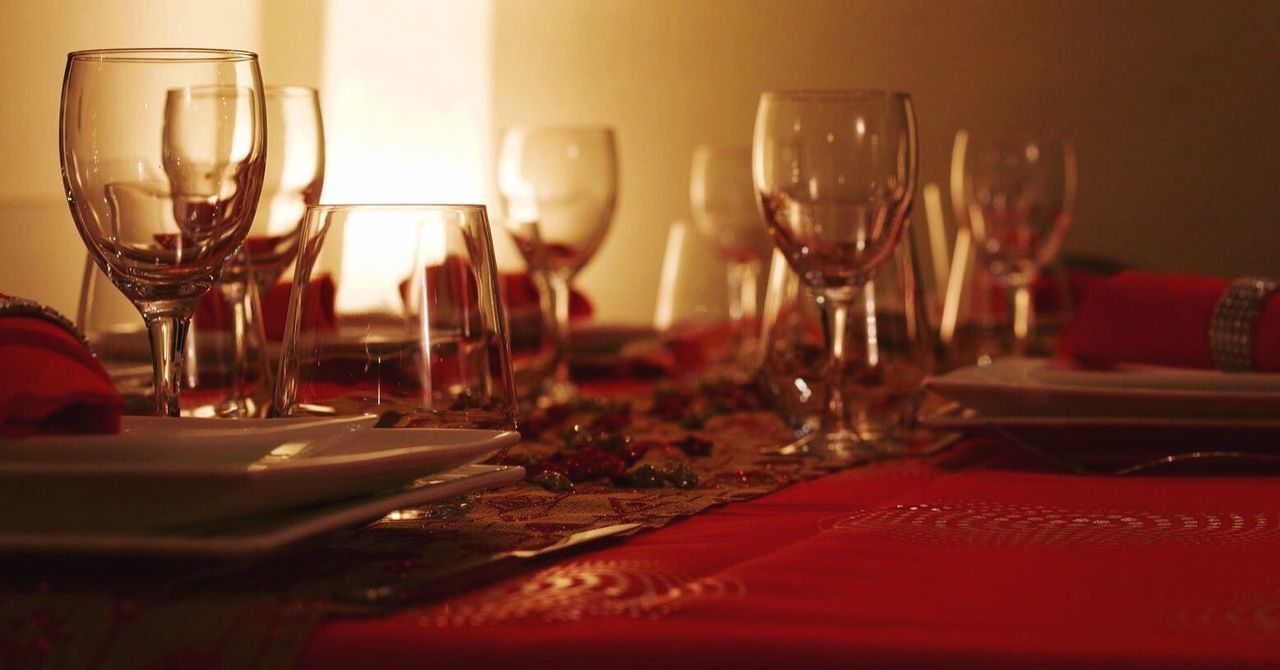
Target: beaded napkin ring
{"type": "Point", "coordinates": [10, 306]}
{"type": "Point", "coordinates": [1234, 318]}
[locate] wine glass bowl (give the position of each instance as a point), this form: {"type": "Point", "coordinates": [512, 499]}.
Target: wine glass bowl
{"type": "Point", "coordinates": [724, 207]}
{"type": "Point", "coordinates": [724, 203]}
{"type": "Point", "coordinates": [1016, 194]}
{"type": "Point", "coordinates": [292, 181]}
{"type": "Point", "coordinates": [561, 181]}
{"type": "Point", "coordinates": [835, 173]}
{"type": "Point", "coordinates": [162, 181]}
{"type": "Point", "coordinates": [559, 186]}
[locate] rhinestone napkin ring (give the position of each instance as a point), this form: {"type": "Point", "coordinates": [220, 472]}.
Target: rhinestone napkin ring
{"type": "Point", "coordinates": [10, 306]}
{"type": "Point", "coordinates": [1234, 317]}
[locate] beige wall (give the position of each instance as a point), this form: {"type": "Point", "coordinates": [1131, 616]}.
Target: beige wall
{"type": "Point", "coordinates": [41, 256]}
{"type": "Point", "coordinates": [1175, 106]}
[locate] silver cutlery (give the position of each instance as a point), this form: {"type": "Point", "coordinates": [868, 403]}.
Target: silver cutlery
{"type": "Point", "coordinates": [489, 569]}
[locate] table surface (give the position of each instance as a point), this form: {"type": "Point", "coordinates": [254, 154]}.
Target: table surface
{"type": "Point", "coordinates": [976, 559]}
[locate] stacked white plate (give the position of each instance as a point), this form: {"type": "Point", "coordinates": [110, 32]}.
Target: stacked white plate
{"type": "Point", "coordinates": [228, 487]}
{"type": "Point", "coordinates": [1051, 402]}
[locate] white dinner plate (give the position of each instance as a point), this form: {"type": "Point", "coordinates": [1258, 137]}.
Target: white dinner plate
{"type": "Point", "coordinates": [162, 435]}
{"type": "Point", "coordinates": [266, 533]}
{"type": "Point", "coordinates": [164, 473]}
{"type": "Point", "coordinates": [1026, 387]}
{"type": "Point", "coordinates": [1115, 435]}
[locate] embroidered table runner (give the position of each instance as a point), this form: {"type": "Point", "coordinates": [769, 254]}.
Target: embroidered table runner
{"type": "Point", "coordinates": [641, 457]}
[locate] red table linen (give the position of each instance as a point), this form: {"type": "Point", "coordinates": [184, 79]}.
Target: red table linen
{"type": "Point", "coordinates": [898, 565]}
{"type": "Point", "coordinates": [518, 293]}
{"type": "Point", "coordinates": [1159, 319]}
{"type": "Point", "coordinates": [212, 311]}
{"type": "Point", "coordinates": [50, 383]}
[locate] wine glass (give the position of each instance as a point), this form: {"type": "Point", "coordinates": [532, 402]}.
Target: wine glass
{"type": "Point", "coordinates": [559, 186]}
{"type": "Point", "coordinates": [835, 172]}
{"type": "Point", "coordinates": [724, 209]}
{"type": "Point", "coordinates": [163, 184]}
{"type": "Point", "coordinates": [1017, 194]}
{"type": "Point", "coordinates": [292, 181]}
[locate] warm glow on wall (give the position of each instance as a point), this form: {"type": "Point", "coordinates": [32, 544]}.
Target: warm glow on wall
{"type": "Point", "coordinates": [407, 100]}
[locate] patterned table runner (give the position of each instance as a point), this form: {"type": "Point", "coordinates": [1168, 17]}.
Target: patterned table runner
{"type": "Point", "coordinates": [647, 458]}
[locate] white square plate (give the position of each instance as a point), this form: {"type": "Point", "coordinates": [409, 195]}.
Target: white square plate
{"type": "Point", "coordinates": [1113, 436]}
{"type": "Point", "coordinates": [1027, 387]}
{"type": "Point", "coordinates": [165, 473]}
{"type": "Point", "coordinates": [265, 533]}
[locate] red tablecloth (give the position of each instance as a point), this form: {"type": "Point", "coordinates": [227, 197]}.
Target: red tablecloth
{"type": "Point", "coordinates": [905, 564]}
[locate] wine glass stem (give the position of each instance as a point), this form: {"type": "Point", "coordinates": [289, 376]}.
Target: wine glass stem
{"type": "Point", "coordinates": [234, 293]}
{"type": "Point", "coordinates": [560, 302]}
{"type": "Point", "coordinates": [257, 330]}
{"type": "Point", "coordinates": [743, 310]}
{"type": "Point", "coordinates": [248, 342]}
{"type": "Point", "coordinates": [168, 331]}
{"type": "Point", "coordinates": [1020, 313]}
{"type": "Point", "coordinates": [836, 419]}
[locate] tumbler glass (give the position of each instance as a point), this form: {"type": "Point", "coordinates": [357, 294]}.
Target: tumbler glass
{"type": "Point", "coordinates": [395, 311]}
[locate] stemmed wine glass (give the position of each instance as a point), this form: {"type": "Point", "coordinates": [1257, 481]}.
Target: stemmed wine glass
{"type": "Point", "coordinates": [559, 186]}
{"type": "Point", "coordinates": [1017, 194]}
{"type": "Point", "coordinates": [724, 209]}
{"type": "Point", "coordinates": [835, 172]}
{"type": "Point", "coordinates": [293, 179]}
{"type": "Point", "coordinates": [162, 183]}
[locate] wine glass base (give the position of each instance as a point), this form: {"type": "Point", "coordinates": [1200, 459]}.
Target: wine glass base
{"type": "Point", "coordinates": [236, 408]}
{"type": "Point", "coordinates": [229, 408]}
{"type": "Point", "coordinates": [737, 372]}
{"type": "Point", "coordinates": [557, 392]}
{"type": "Point", "coordinates": [846, 448]}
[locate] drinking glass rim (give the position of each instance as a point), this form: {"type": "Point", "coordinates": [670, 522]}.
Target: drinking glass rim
{"type": "Point", "coordinates": [716, 147]}
{"type": "Point", "coordinates": [163, 55]}
{"type": "Point", "coordinates": [392, 207]}
{"type": "Point", "coordinates": [560, 127]}
{"type": "Point", "coordinates": [1022, 134]}
{"type": "Point", "coordinates": [268, 90]}
{"type": "Point", "coordinates": [290, 90]}
{"type": "Point", "coordinates": [835, 94]}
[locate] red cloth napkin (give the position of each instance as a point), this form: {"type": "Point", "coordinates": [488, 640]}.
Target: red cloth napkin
{"type": "Point", "coordinates": [1046, 291]}
{"type": "Point", "coordinates": [1159, 319]}
{"type": "Point", "coordinates": [212, 313]}
{"type": "Point", "coordinates": [517, 289]}
{"type": "Point", "coordinates": [606, 352]}
{"type": "Point", "coordinates": [519, 292]}
{"type": "Point", "coordinates": [50, 383]}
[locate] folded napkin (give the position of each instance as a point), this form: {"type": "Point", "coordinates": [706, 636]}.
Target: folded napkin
{"type": "Point", "coordinates": [212, 312]}
{"type": "Point", "coordinates": [599, 352]}
{"type": "Point", "coordinates": [517, 289]}
{"type": "Point", "coordinates": [1046, 292]}
{"type": "Point", "coordinates": [49, 381]}
{"type": "Point", "coordinates": [519, 293]}
{"type": "Point", "coordinates": [1159, 319]}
